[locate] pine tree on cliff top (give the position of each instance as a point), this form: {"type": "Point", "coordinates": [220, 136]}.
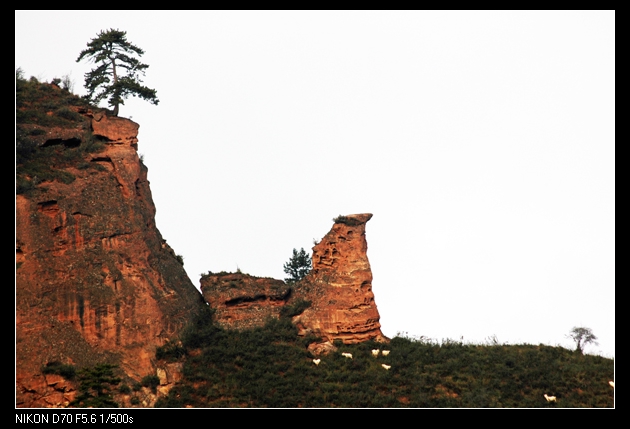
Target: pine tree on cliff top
{"type": "Point", "coordinates": [113, 55]}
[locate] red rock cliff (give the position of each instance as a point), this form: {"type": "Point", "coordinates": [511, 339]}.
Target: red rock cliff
{"type": "Point", "coordinates": [95, 281]}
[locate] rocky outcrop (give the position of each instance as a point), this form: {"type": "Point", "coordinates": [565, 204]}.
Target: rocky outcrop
{"type": "Point", "coordinates": [339, 287]}
{"type": "Point", "coordinates": [95, 281]}
{"type": "Point", "coordinates": [242, 301]}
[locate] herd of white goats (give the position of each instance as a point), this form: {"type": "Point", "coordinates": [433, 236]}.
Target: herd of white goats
{"type": "Point", "coordinates": [375, 353]}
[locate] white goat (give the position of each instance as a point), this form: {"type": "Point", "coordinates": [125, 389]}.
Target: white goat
{"type": "Point", "coordinates": [348, 355]}
{"type": "Point", "coordinates": [375, 352]}
{"type": "Point", "coordinates": [385, 352]}
{"type": "Point", "coordinates": [612, 384]}
{"type": "Point", "coordinates": [316, 361]}
{"type": "Point", "coordinates": [386, 366]}
{"type": "Point", "coordinates": [550, 398]}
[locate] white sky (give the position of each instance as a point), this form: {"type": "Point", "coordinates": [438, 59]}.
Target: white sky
{"type": "Point", "coordinates": [482, 141]}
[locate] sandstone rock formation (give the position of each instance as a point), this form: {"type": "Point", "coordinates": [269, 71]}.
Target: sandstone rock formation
{"type": "Point", "coordinates": [95, 281]}
{"type": "Point", "coordinates": [242, 301]}
{"type": "Point", "coordinates": [339, 287]}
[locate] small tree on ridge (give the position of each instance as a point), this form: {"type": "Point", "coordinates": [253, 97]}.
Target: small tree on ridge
{"type": "Point", "coordinates": [298, 266]}
{"type": "Point", "coordinates": [582, 336]}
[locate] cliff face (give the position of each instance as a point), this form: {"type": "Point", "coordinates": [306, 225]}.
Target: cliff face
{"type": "Point", "coordinates": [339, 287]}
{"type": "Point", "coordinates": [95, 281]}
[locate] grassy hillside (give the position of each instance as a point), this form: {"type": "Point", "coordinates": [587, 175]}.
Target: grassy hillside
{"type": "Point", "coordinates": [271, 367]}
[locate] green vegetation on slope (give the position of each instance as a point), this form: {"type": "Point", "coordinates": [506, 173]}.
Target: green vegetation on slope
{"type": "Point", "coordinates": [39, 107]}
{"type": "Point", "coordinates": [271, 367]}
{"type": "Point", "coordinates": [96, 384]}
